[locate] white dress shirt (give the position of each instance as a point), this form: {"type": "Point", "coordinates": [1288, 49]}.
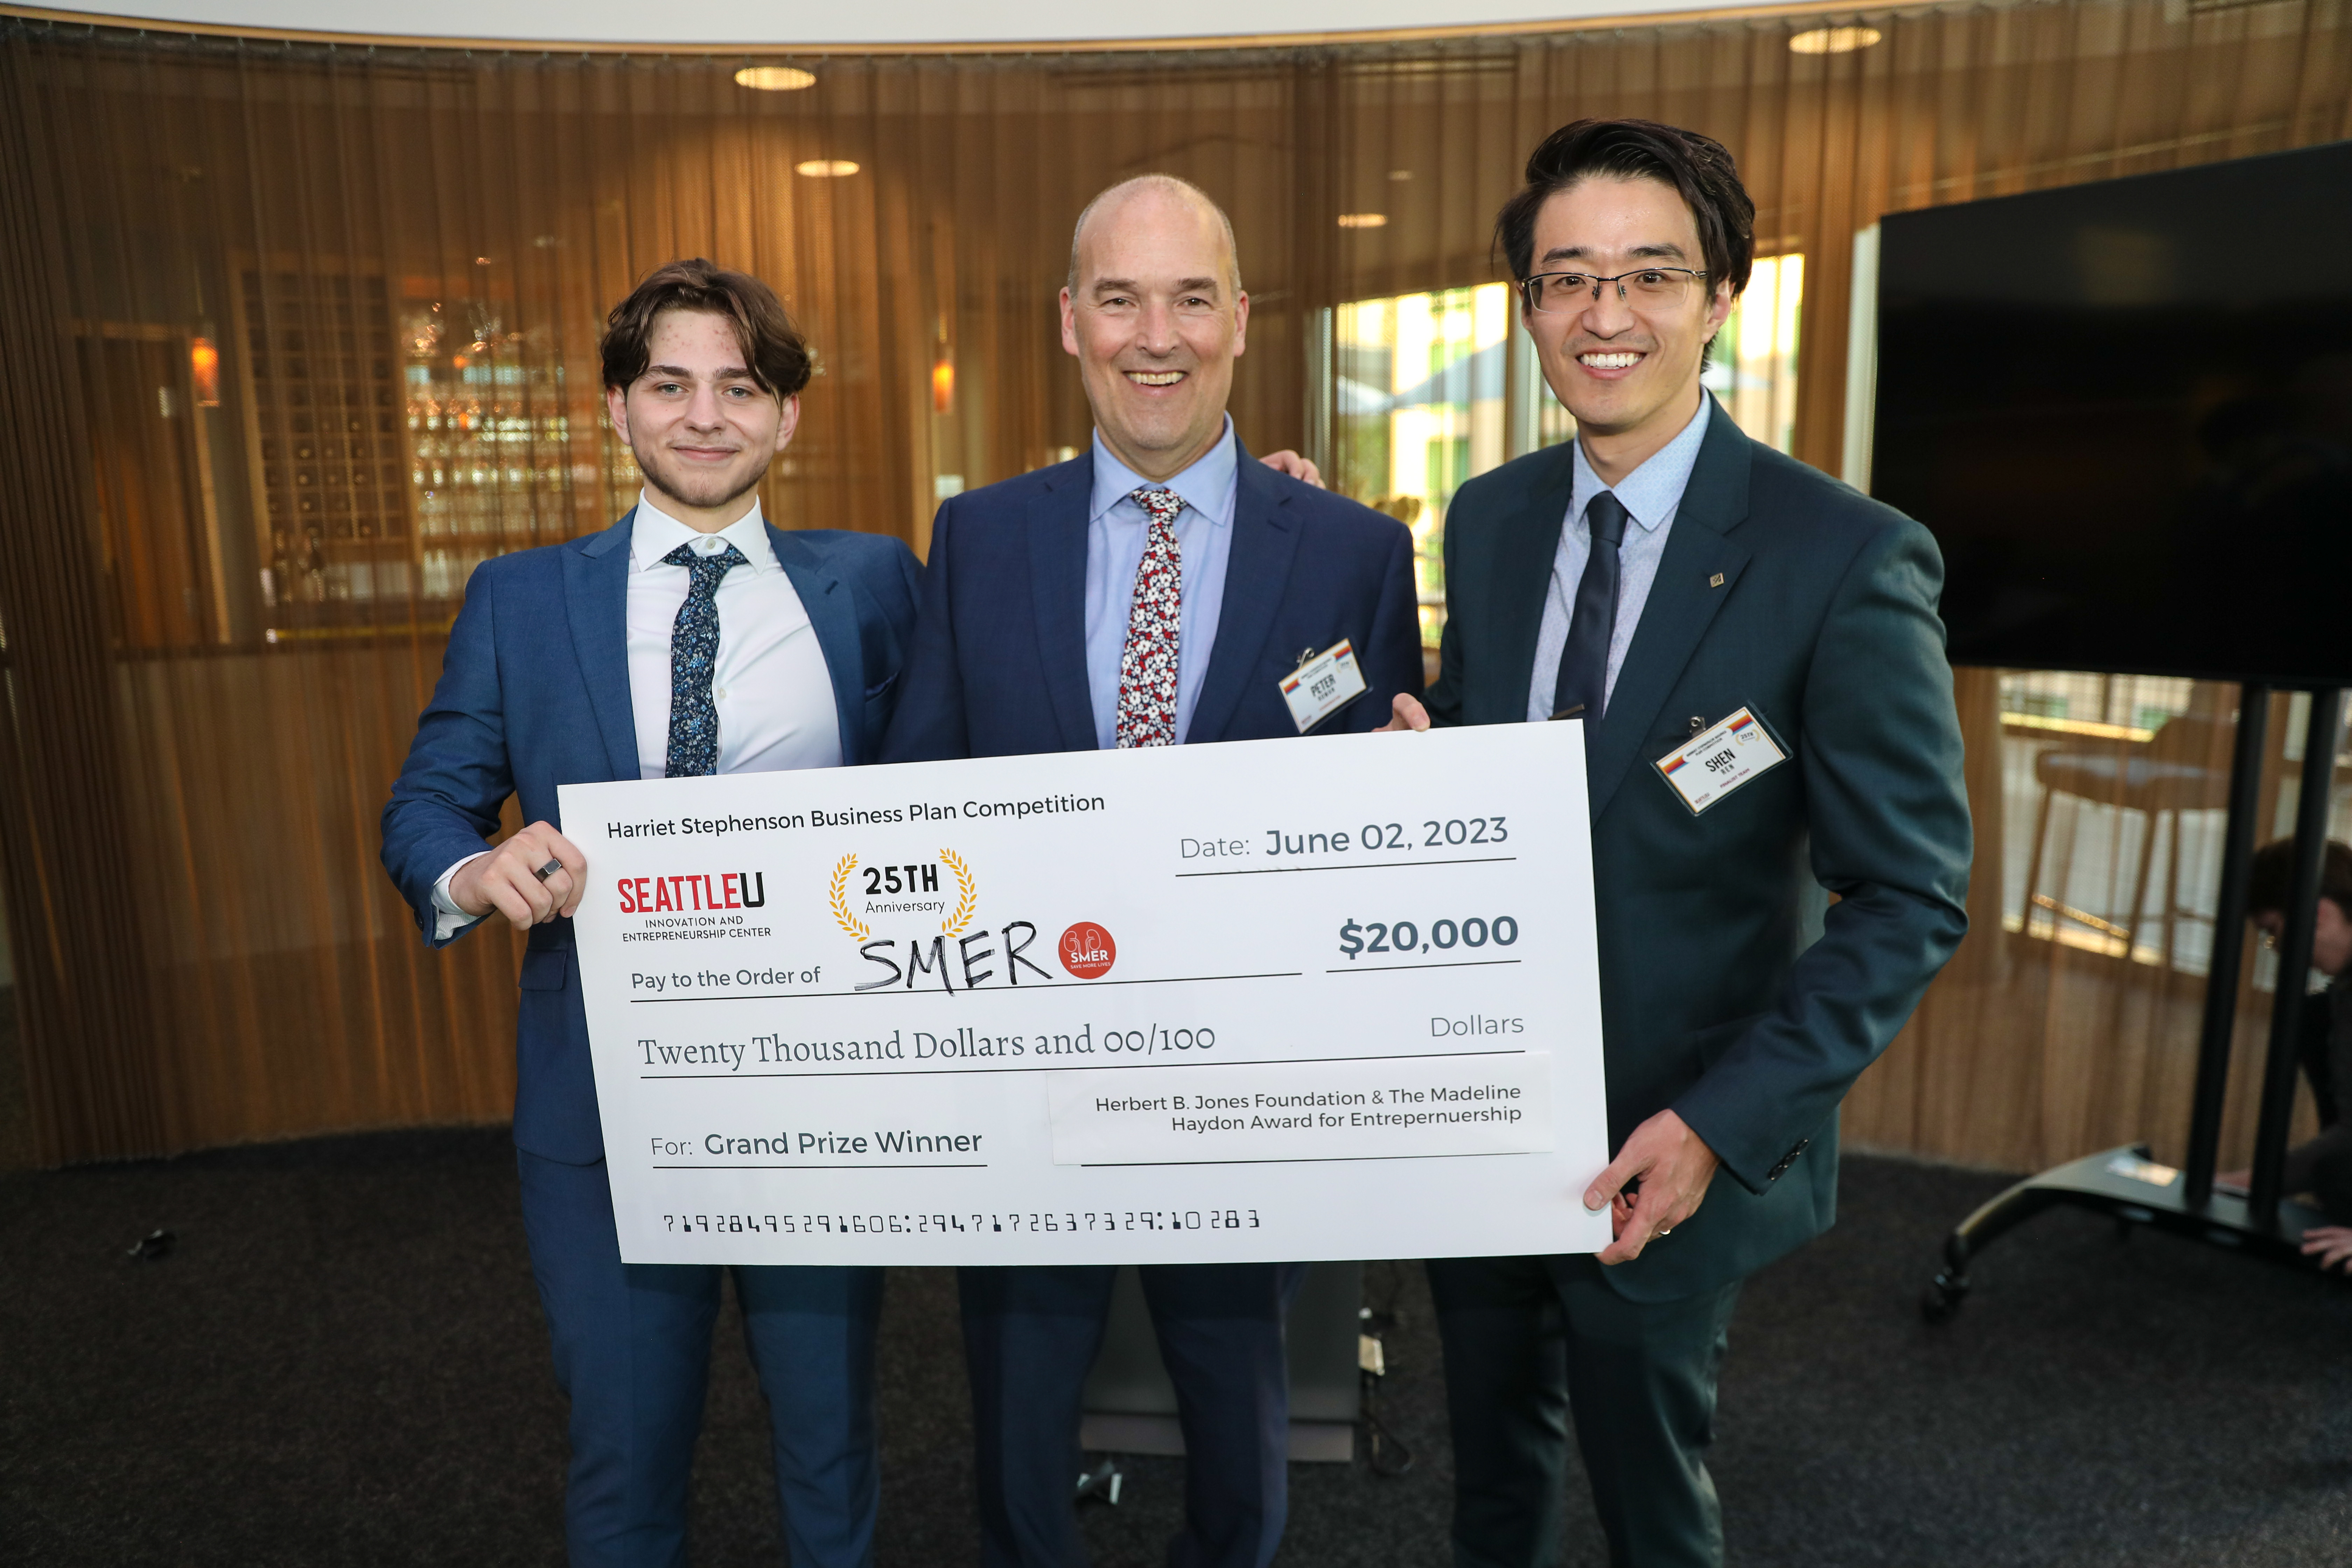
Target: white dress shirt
{"type": "Point", "coordinates": [770, 684]}
{"type": "Point", "coordinates": [1651, 496]}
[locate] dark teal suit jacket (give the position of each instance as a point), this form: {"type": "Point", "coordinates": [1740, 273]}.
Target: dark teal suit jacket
{"type": "Point", "coordinates": [1727, 994]}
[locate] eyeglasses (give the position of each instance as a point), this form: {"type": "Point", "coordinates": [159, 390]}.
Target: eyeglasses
{"type": "Point", "coordinates": [1652, 288]}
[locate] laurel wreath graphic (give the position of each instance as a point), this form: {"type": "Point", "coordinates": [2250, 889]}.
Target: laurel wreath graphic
{"type": "Point", "coordinates": [849, 923]}
{"type": "Point", "coordinates": [953, 925]}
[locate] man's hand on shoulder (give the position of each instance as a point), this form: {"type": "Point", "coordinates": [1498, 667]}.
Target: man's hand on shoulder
{"type": "Point", "coordinates": [1288, 462]}
{"type": "Point", "coordinates": [1405, 713]}
{"type": "Point", "coordinates": [1669, 1167]}
{"type": "Point", "coordinates": [507, 880]}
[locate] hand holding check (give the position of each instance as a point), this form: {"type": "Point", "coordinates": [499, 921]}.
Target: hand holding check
{"type": "Point", "coordinates": [530, 879]}
{"type": "Point", "coordinates": [1407, 714]}
{"type": "Point", "coordinates": [1656, 1182]}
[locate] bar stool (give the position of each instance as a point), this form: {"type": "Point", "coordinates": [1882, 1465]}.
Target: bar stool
{"type": "Point", "coordinates": [2172, 771]}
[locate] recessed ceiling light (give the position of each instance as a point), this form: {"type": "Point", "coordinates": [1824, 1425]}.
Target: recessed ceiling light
{"type": "Point", "coordinates": [1833, 40]}
{"type": "Point", "coordinates": [775, 78]}
{"type": "Point", "coordinates": [825, 168]}
{"type": "Point", "coordinates": [1400, 173]}
{"type": "Point", "coordinates": [1363, 220]}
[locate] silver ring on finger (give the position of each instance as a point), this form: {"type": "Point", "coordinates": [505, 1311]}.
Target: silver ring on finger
{"type": "Point", "coordinates": [550, 869]}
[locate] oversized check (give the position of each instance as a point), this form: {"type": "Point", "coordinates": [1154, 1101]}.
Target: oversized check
{"type": "Point", "coordinates": [1267, 1000]}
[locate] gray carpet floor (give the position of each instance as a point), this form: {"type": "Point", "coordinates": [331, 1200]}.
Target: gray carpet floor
{"type": "Point", "coordinates": [342, 1362]}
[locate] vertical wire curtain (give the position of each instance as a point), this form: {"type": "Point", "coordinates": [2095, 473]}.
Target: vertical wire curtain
{"type": "Point", "coordinates": [297, 335]}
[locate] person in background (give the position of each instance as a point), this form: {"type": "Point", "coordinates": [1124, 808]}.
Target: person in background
{"type": "Point", "coordinates": [1666, 581]}
{"type": "Point", "coordinates": [1153, 591]}
{"type": "Point", "coordinates": [2322, 1166]}
{"type": "Point", "coordinates": [690, 638]}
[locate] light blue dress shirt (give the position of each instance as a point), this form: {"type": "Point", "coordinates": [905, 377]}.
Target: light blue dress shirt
{"type": "Point", "coordinates": [1115, 530]}
{"type": "Point", "coordinates": [1650, 495]}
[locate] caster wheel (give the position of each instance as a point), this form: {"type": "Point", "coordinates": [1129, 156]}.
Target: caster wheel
{"type": "Point", "coordinates": [1940, 1302]}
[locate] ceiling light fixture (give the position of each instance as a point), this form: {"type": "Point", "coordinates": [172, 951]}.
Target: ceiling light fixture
{"type": "Point", "coordinates": [1833, 40]}
{"type": "Point", "coordinates": [775, 78]}
{"type": "Point", "coordinates": [203, 369]}
{"type": "Point", "coordinates": [825, 168]}
{"type": "Point", "coordinates": [1363, 220]}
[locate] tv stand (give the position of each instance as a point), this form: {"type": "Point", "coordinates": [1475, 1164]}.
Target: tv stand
{"type": "Point", "coordinates": [2128, 1182]}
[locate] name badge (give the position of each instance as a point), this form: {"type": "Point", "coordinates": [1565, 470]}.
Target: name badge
{"type": "Point", "coordinates": [1322, 684]}
{"type": "Point", "coordinates": [1720, 761]}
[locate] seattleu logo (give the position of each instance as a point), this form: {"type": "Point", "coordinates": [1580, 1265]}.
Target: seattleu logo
{"type": "Point", "coordinates": [661, 895]}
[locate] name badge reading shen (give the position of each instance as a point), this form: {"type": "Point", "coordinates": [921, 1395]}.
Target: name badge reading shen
{"type": "Point", "coordinates": [1322, 685]}
{"type": "Point", "coordinates": [1720, 761]}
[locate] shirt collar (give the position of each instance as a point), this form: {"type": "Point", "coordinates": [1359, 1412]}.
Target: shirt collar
{"type": "Point", "coordinates": [1651, 493]}
{"type": "Point", "coordinates": [1207, 486]}
{"type": "Point", "coordinates": [655, 533]}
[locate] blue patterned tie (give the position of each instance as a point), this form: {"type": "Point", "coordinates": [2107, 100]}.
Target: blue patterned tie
{"type": "Point", "coordinates": [693, 655]}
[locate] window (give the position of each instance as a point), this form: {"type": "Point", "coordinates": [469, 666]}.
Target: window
{"type": "Point", "coordinates": [1420, 409]}
{"type": "Point", "coordinates": [1754, 368]}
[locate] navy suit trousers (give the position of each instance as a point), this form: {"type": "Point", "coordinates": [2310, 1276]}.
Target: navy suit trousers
{"type": "Point", "coordinates": [1030, 1337]}
{"type": "Point", "coordinates": [633, 1352]}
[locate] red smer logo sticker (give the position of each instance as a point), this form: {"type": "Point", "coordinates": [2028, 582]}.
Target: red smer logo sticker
{"type": "Point", "coordinates": [1087, 951]}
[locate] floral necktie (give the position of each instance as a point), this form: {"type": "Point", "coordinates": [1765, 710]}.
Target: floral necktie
{"type": "Point", "coordinates": [1146, 669]}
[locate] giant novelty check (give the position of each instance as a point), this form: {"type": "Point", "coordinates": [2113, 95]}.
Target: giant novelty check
{"type": "Point", "coordinates": [1270, 1000]}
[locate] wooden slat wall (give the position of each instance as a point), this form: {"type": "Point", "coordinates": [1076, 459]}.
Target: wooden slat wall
{"type": "Point", "coordinates": [192, 758]}
{"type": "Point", "coordinates": [74, 886]}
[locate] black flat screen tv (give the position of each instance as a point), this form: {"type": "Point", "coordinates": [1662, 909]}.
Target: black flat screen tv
{"type": "Point", "coordinates": [2124, 409]}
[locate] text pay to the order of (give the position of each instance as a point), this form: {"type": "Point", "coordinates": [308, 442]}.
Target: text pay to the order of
{"type": "Point", "coordinates": [1334, 997]}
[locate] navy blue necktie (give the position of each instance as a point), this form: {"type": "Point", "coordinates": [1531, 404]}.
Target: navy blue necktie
{"type": "Point", "coordinates": [693, 655]}
{"type": "Point", "coordinates": [1584, 658]}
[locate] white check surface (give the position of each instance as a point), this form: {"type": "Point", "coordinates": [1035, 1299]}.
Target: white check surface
{"type": "Point", "coordinates": [1279, 1000]}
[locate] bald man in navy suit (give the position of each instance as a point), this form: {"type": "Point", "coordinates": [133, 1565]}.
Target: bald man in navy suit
{"type": "Point", "coordinates": [1153, 591]}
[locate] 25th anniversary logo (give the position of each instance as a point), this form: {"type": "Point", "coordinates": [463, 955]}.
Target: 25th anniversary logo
{"type": "Point", "coordinates": [873, 903]}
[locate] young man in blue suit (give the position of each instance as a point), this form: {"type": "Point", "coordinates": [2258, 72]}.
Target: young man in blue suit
{"type": "Point", "coordinates": [1654, 578]}
{"type": "Point", "coordinates": [1150, 593]}
{"type": "Point", "coordinates": [689, 638]}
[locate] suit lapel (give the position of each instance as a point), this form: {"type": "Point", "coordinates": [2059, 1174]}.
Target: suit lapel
{"type": "Point", "coordinates": [833, 616]}
{"type": "Point", "coordinates": [1683, 603]}
{"type": "Point", "coordinates": [596, 605]}
{"type": "Point", "coordinates": [1057, 589]}
{"type": "Point", "coordinates": [1525, 547]}
{"type": "Point", "coordinates": [1257, 574]}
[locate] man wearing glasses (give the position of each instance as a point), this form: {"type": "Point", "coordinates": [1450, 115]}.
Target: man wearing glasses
{"type": "Point", "coordinates": [1709, 610]}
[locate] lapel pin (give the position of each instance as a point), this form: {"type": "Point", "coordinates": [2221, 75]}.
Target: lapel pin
{"type": "Point", "coordinates": [1715, 581]}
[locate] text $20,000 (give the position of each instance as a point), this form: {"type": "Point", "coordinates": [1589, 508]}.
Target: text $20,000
{"type": "Point", "coordinates": [1443, 935]}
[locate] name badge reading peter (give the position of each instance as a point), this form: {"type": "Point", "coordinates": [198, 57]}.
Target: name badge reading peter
{"type": "Point", "coordinates": [1322, 684]}
{"type": "Point", "coordinates": [1720, 761]}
